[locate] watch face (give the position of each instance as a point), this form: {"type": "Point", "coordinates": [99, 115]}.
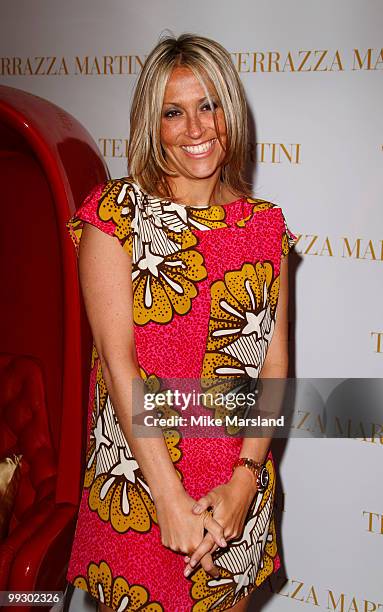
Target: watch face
{"type": "Point", "coordinates": [263, 478]}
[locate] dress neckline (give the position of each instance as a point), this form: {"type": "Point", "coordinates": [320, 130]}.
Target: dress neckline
{"type": "Point", "coordinates": [194, 206]}
{"type": "Point", "coordinates": [205, 206]}
{"type": "Point", "coordinates": [242, 199]}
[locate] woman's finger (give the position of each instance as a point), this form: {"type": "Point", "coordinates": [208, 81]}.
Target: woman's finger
{"type": "Point", "coordinates": [208, 565]}
{"type": "Point", "coordinates": [196, 563]}
{"type": "Point", "coordinates": [215, 529]}
{"type": "Point", "coordinates": [205, 547]}
{"type": "Point", "coordinates": [189, 568]}
{"type": "Point", "coordinates": [203, 504]}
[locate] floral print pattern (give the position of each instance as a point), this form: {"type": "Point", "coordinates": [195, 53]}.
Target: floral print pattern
{"type": "Point", "coordinates": [118, 491]}
{"type": "Point", "coordinates": [115, 592]}
{"type": "Point", "coordinates": [241, 326]}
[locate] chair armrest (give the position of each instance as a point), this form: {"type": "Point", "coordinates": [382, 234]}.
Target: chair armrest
{"type": "Point", "coordinates": [21, 534]}
{"type": "Point", "coordinates": [42, 561]}
{"type": "Point", "coordinates": [48, 549]}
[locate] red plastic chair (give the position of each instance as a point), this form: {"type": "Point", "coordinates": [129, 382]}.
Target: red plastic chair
{"type": "Point", "coordinates": [48, 163]}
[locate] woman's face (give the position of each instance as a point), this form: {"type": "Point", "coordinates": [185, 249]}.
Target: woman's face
{"type": "Point", "coordinates": [188, 133]}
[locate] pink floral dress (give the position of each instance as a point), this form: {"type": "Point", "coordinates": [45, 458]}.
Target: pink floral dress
{"type": "Point", "coordinates": [205, 285]}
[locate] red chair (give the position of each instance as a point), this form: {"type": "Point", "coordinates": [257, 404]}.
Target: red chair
{"type": "Point", "coordinates": [48, 163]}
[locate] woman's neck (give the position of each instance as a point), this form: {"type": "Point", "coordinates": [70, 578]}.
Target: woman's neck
{"type": "Point", "coordinates": [198, 191]}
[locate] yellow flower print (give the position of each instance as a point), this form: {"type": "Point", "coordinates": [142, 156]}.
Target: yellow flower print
{"type": "Point", "coordinates": [115, 204]}
{"type": "Point", "coordinates": [241, 325]}
{"type": "Point", "coordinates": [163, 286]}
{"type": "Point", "coordinates": [94, 356]}
{"type": "Point", "coordinates": [166, 267]}
{"type": "Point", "coordinates": [288, 240]}
{"type": "Point", "coordinates": [116, 592]}
{"type": "Point", "coordinates": [267, 564]}
{"type": "Point", "coordinates": [259, 205]}
{"type": "Point", "coordinates": [209, 217]}
{"type": "Point", "coordinates": [211, 593]}
{"type": "Point", "coordinates": [118, 491]}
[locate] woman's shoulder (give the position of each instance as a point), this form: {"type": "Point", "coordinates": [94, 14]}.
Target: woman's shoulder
{"type": "Point", "coordinates": [261, 205]}
{"type": "Point", "coordinates": [274, 219]}
{"type": "Point", "coordinates": [109, 206]}
{"type": "Point", "coordinates": [116, 200]}
{"type": "Point", "coordinates": [116, 191]}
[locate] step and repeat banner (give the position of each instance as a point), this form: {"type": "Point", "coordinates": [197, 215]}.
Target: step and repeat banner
{"type": "Point", "coordinates": [313, 78]}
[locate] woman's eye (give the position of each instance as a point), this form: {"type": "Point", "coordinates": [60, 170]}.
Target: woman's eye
{"type": "Point", "coordinates": [209, 107]}
{"type": "Point", "coordinates": [169, 114]}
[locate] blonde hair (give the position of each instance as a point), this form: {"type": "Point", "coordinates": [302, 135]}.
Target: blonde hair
{"type": "Point", "coordinates": [206, 59]}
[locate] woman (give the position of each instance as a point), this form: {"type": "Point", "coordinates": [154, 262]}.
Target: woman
{"type": "Point", "coordinates": [197, 291]}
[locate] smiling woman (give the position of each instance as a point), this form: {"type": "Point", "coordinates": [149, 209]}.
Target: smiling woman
{"type": "Point", "coordinates": [197, 291]}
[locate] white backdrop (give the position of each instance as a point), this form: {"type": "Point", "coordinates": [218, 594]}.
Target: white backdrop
{"type": "Point", "coordinates": [313, 77]}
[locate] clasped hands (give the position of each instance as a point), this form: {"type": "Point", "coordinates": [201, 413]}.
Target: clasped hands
{"type": "Point", "coordinates": [183, 523]}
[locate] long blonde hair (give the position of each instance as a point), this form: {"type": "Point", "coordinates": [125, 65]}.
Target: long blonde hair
{"type": "Point", "coordinates": [207, 59]}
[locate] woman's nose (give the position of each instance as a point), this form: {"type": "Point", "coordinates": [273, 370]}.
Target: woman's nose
{"type": "Point", "coordinates": [194, 126]}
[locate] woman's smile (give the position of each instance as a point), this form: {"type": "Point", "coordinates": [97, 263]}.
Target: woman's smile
{"type": "Point", "coordinates": [203, 149]}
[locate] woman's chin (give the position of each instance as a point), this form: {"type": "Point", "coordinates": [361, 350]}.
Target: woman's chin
{"type": "Point", "coordinates": [199, 171]}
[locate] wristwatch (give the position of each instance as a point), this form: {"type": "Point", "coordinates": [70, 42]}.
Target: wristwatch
{"type": "Point", "coordinates": [258, 468]}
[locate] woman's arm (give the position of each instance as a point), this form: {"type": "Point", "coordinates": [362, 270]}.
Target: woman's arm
{"type": "Point", "coordinates": [106, 282]}
{"type": "Point", "coordinates": [105, 277]}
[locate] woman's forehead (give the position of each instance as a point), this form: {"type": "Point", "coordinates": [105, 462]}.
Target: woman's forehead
{"type": "Point", "coordinates": [182, 82]}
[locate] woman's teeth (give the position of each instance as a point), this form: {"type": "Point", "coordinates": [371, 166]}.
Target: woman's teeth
{"type": "Point", "coordinates": [201, 148]}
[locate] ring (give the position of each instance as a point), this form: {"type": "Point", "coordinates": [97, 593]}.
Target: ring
{"type": "Point", "coordinates": [206, 513]}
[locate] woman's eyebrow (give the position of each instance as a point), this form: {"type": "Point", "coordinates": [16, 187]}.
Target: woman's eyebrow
{"type": "Point", "coordinates": [204, 99]}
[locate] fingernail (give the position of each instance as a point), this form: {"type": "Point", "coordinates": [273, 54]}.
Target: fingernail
{"type": "Point", "coordinates": [193, 562]}
{"type": "Point", "coordinates": [197, 508]}
{"type": "Point", "coordinates": [187, 571]}
{"type": "Point", "coordinates": [223, 542]}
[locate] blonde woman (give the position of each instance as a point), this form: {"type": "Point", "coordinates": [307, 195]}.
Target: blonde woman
{"type": "Point", "coordinates": [187, 279]}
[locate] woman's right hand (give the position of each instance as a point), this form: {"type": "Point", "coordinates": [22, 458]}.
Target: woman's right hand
{"type": "Point", "coordinates": [182, 531]}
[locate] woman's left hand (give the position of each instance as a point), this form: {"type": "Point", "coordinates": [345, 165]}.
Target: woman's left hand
{"type": "Point", "coordinates": [230, 503]}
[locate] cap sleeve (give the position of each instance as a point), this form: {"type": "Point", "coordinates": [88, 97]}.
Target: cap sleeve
{"type": "Point", "coordinates": [288, 238]}
{"type": "Point", "coordinates": [109, 207]}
